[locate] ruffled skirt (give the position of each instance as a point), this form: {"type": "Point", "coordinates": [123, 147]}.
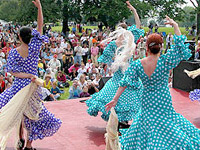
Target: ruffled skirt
{"type": "Point", "coordinates": [128, 104]}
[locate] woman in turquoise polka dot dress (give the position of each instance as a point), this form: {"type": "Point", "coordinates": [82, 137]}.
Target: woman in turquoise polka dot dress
{"type": "Point", "coordinates": [157, 126]}
{"type": "Point", "coordinates": [127, 107]}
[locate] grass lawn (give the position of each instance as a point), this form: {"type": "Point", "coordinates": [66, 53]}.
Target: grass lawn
{"type": "Point", "coordinates": [65, 95]}
{"type": "Point", "coordinates": [161, 29]}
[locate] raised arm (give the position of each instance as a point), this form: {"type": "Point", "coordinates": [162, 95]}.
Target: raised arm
{"type": "Point", "coordinates": [174, 24]}
{"type": "Point", "coordinates": [137, 19]}
{"type": "Point", "coordinates": [40, 15]}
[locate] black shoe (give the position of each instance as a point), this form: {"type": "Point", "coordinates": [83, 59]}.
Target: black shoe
{"type": "Point", "coordinates": [123, 125]}
{"type": "Point", "coordinates": [29, 148]}
{"type": "Point", "coordinates": [20, 144]}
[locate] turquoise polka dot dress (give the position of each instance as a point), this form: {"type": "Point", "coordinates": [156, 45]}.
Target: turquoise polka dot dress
{"type": "Point", "coordinates": [157, 126]}
{"type": "Point", "coordinates": [127, 106]}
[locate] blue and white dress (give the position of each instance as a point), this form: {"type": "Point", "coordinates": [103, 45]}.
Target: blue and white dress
{"type": "Point", "coordinates": [47, 124]}
{"type": "Point", "coordinates": [157, 126]}
{"type": "Point", "coordinates": [129, 101]}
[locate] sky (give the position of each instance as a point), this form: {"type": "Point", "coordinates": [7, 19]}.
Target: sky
{"type": "Point", "coordinates": [189, 3]}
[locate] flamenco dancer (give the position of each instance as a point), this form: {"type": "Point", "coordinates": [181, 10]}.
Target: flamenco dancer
{"type": "Point", "coordinates": [127, 106]}
{"type": "Point", "coordinates": [22, 63]}
{"type": "Point", "coordinates": [157, 125]}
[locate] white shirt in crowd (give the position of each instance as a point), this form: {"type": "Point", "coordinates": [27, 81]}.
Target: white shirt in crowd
{"type": "Point", "coordinates": [64, 45]}
{"type": "Point", "coordinates": [54, 64]}
{"type": "Point", "coordinates": [71, 36]}
{"type": "Point", "coordinates": [82, 85]}
{"type": "Point", "coordinates": [81, 70]}
{"type": "Point", "coordinates": [88, 65]}
{"type": "Point", "coordinates": [85, 50]}
{"type": "Point", "coordinates": [60, 52]}
{"type": "Point", "coordinates": [169, 39]}
{"type": "Point", "coordinates": [2, 56]}
{"type": "Point", "coordinates": [45, 93]}
{"type": "Point", "coordinates": [78, 50]}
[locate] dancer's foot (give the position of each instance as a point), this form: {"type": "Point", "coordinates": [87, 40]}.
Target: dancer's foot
{"type": "Point", "coordinates": [29, 148]}
{"type": "Point", "coordinates": [20, 144]}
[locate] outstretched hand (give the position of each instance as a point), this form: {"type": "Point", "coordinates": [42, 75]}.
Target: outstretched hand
{"type": "Point", "coordinates": [129, 5]}
{"type": "Point", "coordinates": [37, 3]}
{"type": "Point", "coordinates": [170, 21]}
{"type": "Point", "coordinates": [113, 103]}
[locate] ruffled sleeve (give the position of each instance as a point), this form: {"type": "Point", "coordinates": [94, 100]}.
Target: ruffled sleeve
{"type": "Point", "coordinates": [39, 38]}
{"type": "Point", "coordinates": [180, 51]}
{"type": "Point", "coordinates": [12, 65]}
{"type": "Point", "coordinates": [131, 77]}
{"type": "Point", "coordinates": [108, 53]}
{"type": "Point", "coordinates": [136, 32]}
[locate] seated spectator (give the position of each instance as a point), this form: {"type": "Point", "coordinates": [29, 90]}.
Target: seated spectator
{"type": "Point", "coordinates": [93, 67]}
{"type": "Point", "coordinates": [8, 80]}
{"type": "Point", "coordinates": [96, 80]}
{"type": "Point", "coordinates": [55, 90]}
{"type": "Point", "coordinates": [50, 73]}
{"type": "Point", "coordinates": [89, 65]}
{"type": "Point", "coordinates": [41, 68]}
{"type": "Point", "coordinates": [74, 90]}
{"type": "Point", "coordinates": [62, 81]}
{"type": "Point", "coordinates": [91, 88]}
{"type": "Point", "coordinates": [46, 95]}
{"type": "Point", "coordinates": [73, 74]}
{"type": "Point", "coordinates": [47, 57]}
{"type": "Point", "coordinates": [104, 71]}
{"type": "Point", "coordinates": [82, 82]}
{"type": "Point", "coordinates": [85, 92]}
{"type": "Point", "coordinates": [2, 83]}
{"type": "Point", "coordinates": [47, 82]}
{"type": "Point", "coordinates": [81, 70]}
{"type": "Point", "coordinates": [76, 66]}
{"type": "Point", "coordinates": [93, 74]}
{"type": "Point", "coordinates": [54, 64]}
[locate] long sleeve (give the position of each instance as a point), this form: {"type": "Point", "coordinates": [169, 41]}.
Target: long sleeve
{"type": "Point", "coordinates": [177, 53]}
{"type": "Point", "coordinates": [136, 32]}
{"type": "Point", "coordinates": [108, 53]}
{"type": "Point", "coordinates": [131, 77]}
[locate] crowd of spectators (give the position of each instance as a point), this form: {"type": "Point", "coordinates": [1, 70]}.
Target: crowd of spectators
{"type": "Point", "coordinates": [70, 58]}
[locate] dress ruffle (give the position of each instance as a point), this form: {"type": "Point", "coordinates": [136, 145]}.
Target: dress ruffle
{"type": "Point", "coordinates": [165, 131]}
{"type": "Point", "coordinates": [128, 104]}
{"type": "Point", "coordinates": [136, 32]}
{"type": "Point", "coordinates": [195, 95]}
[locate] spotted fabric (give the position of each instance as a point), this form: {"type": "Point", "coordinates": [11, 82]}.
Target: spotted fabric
{"type": "Point", "coordinates": [47, 124]}
{"type": "Point", "coordinates": [129, 103]}
{"type": "Point", "coordinates": [157, 126]}
{"type": "Point", "coordinates": [136, 32]}
{"type": "Point", "coordinates": [195, 95]}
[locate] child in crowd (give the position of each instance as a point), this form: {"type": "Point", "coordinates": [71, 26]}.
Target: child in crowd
{"type": "Point", "coordinates": [94, 54]}
{"type": "Point", "coordinates": [74, 90]}
{"type": "Point", "coordinates": [47, 82]}
{"type": "Point", "coordinates": [85, 92]}
{"type": "Point", "coordinates": [55, 90]}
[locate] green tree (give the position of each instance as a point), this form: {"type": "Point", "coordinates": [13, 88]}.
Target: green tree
{"type": "Point", "coordinates": [8, 10]}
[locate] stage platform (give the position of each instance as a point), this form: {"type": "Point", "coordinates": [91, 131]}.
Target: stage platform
{"type": "Point", "coordinates": [80, 131]}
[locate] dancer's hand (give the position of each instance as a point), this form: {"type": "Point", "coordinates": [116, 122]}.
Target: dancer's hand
{"type": "Point", "coordinates": [170, 21]}
{"type": "Point", "coordinates": [130, 6]}
{"type": "Point", "coordinates": [33, 78]}
{"type": "Point", "coordinates": [37, 3]}
{"type": "Point", "coordinates": [113, 103]}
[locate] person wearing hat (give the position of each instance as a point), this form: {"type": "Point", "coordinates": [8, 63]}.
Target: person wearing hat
{"type": "Point", "coordinates": [41, 68]}
{"type": "Point", "coordinates": [47, 82]}
{"type": "Point", "coordinates": [54, 64]}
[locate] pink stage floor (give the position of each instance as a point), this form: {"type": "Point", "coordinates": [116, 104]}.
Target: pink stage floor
{"type": "Point", "coordinates": [79, 131]}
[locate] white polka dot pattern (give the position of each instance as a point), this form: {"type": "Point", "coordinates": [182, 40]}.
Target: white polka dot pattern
{"type": "Point", "coordinates": [47, 125]}
{"type": "Point", "coordinates": [157, 126]}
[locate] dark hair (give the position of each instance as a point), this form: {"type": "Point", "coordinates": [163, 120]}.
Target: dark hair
{"type": "Point", "coordinates": [123, 25]}
{"type": "Point", "coordinates": [25, 34]}
{"type": "Point", "coordinates": [154, 43]}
